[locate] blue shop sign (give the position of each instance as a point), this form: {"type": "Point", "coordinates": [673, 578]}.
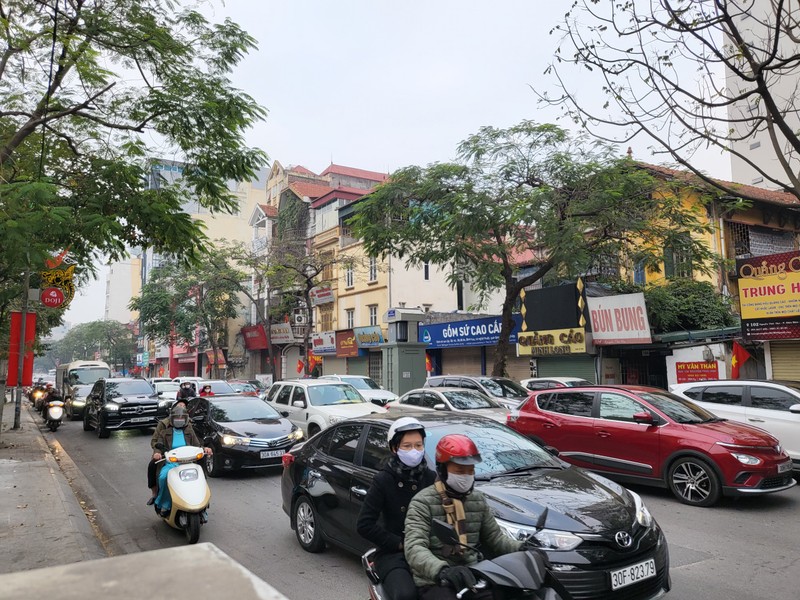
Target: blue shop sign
{"type": "Point", "coordinates": [474, 332]}
{"type": "Point", "coordinates": [368, 337]}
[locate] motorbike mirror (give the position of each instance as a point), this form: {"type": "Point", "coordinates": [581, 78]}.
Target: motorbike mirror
{"type": "Point", "coordinates": [644, 418]}
{"type": "Point", "coordinates": [445, 532]}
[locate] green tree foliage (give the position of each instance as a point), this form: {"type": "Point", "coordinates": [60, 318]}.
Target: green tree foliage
{"type": "Point", "coordinates": [113, 340]}
{"type": "Point", "coordinates": [532, 194]}
{"type": "Point", "coordinates": [90, 92]}
{"type": "Point", "coordinates": [190, 304]}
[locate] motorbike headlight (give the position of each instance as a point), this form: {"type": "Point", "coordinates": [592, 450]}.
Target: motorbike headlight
{"type": "Point", "coordinates": [643, 516]}
{"type": "Point", "coordinates": [234, 440]}
{"type": "Point", "coordinates": [111, 406]}
{"type": "Point", "coordinates": [549, 539]}
{"type": "Point", "coordinates": [55, 403]}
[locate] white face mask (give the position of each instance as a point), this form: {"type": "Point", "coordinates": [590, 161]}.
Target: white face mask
{"type": "Point", "coordinates": [460, 483]}
{"type": "Point", "coordinates": [410, 458]}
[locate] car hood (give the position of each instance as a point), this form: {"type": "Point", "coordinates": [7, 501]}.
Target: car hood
{"type": "Point", "coordinates": [139, 399]}
{"type": "Point", "coordinates": [378, 395]}
{"type": "Point", "coordinates": [733, 433]}
{"type": "Point", "coordinates": [357, 409]}
{"type": "Point", "coordinates": [258, 428]}
{"type": "Point", "coordinates": [577, 501]}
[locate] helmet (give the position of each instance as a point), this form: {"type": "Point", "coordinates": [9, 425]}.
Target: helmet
{"type": "Point", "coordinates": [400, 427]}
{"type": "Point", "coordinates": [187, 384]}
{"type": "Point", "coordinates": [456, 448]}
{"type": "Point", "coordinates": [178, 416]}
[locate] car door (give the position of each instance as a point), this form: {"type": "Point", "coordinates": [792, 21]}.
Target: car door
{"type": "Point", "coordinates": [373, 458]}
{"type": "Point", "coordinates": [93, 401]}
{"type": "Point", "coordinates": [412, 401]}
{"type": "Point", "coordinates": [621, 444]}
{"type": "Point", "coordinates": [768, 408]}
{"type": "Point", "coordinates": [431, 399]}
{"type": "Point", "coordinates": [725, 401]}
{"type": "Point", "coordinates": [281, 401]}
{"type": "Point", "coordinates": [198, 410]}
{"type": "Point", "coordinates": [567, 423]}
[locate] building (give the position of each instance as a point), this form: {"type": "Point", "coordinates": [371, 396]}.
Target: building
{"type": "Point", "coordinates": [123, 282]}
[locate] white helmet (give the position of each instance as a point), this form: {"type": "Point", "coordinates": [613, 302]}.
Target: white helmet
{"type": "Point", "coordinates": [402, 425]}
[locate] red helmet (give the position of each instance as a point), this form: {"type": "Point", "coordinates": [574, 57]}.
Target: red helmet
{"type": "Point", "coordinates": [457, 448]}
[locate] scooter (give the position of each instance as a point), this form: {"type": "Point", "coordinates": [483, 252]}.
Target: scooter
{"type": "Point", "coordinates": [53, 412]}
{"type": "Point", "coordinates": [189, 491]}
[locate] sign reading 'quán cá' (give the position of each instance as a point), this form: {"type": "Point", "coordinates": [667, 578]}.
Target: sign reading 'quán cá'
{"type": "Point", "coordinates": [552, 342]}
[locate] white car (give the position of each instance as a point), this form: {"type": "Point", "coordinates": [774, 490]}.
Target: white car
{"type": "Point", "coordinates": [314, 404]}
{"type": "Point", "coordinates": [771, 405]}
{"type": "Point", "coordinates": [366, 387]}
{"type": "Point", "coordinates": [452, 399]}
{"type": "Point", "coordinates": [547, 383]}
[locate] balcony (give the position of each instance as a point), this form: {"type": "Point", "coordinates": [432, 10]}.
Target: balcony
{"type": "Point", "coordinates": [260, 243]}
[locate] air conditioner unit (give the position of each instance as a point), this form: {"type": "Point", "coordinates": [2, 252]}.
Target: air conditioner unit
{"type": "Point", "coordinates": [298, 319]}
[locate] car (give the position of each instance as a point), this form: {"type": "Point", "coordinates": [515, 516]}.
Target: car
{"type": "Point", "coordinates": [455, 399]}
{"type": "Point", "coordinates": [592, 527]}
{"type": "Point", "coordinates": [505, 391]}
{"type": "Point", "coordinates": [154, 380]}
{"type": "Point", "coordinates": [168, 390]}
{"type": "Point", "coordinates": [546, 383]}
{"type": "Point", "coordinates": [366, 387]}
{"type": "Point", "coordinates": [647, 435]}
{"type": "Point", "coordinates": [774, 406]}
{"type": "Point", "coordinates": [243, 432]}
{"type": "Point", "coordinates": [244, 388]}
{"type": "Point", "coordinates": [314, 404]}
{"type": "Point", "coordinates": [75, 403]}
{"type": "Point", "coordinates": [122, 403]}
{"type": "Point", "coordinates": [218, 386]}
{"type": "Point", "coordinates": [192, 379]}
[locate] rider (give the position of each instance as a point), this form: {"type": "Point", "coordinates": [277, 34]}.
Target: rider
{"type": "Point", "coordinates": [152, 479]}
{"type": "Point", "coordinates": [206, 390]}
{"type": "Point", "coordinates": [177, 433]}
{"type": "Point", "coordinates": [186, 391]}
{"type": "Point", "coordinates": [384, 509]}
{"type": "Point", "coordinates": [452, 498]}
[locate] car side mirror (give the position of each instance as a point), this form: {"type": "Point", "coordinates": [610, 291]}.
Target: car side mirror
{"type": "Point", "coordinates": [299, 404]}
{"type": "Point", "coordinates": [645, 418]}
{"type": "Point", "coordinates": [440, 406]}
{"type": "Point", "coordinates": [551, 450]}
{"type": "Point", "coordinates": [284, 413]}
{"type": "Point", "coordinates": [445, 532]}
{"type": "Point", "coordinates": [795, 409]}
{"type": "Point", "coordinates": [379, 401]}
{"type": "Point", "coordinates": [160, 393]}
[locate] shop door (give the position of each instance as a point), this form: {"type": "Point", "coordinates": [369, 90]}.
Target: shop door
{"type": "Point", "coordinates": [785, 358]}
{"type": "Point", "coordinates": [461, 361]}
{"type": "Point", "coordinates": [518, 367]}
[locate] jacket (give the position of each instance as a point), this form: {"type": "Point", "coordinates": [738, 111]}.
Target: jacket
{"type": "Point", "coordinates": [424, 551]}
{"type": "Point", "coordinates": [162, 436]}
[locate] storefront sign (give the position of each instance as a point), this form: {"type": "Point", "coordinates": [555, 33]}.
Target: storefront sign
{"type": "Point", "coordinates": [769, 296]}
{"type": "Point", "coordinates": [688, 372]}
{"type": "Point", "coordinates": [255, 337]}
{"type": "Point", "coordinates": [619, 320]}
{"type": "Point", "coordinates": [553, 342]}
{"type": "Point", "coordinates": [368, 337]}
{"type": "Point", "coordinates": [281, 333]}
{"type": "Point", "coordinates": [323, 343]}
{"type": "Point", "coordinates": [220, 357]}
{"type": "Point", "coordinates": [460, 334]}
{"type": "Point", "coordinates": [322, 294]}
{"type": "Point", "coordinates": [346, 344]}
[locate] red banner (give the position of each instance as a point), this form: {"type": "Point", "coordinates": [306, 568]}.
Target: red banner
{"type": "Point", "coordinates": [688, 372]}
{"type": "Point", "coordinates": [255, 337]}
{"type": "Point", "coordinates": [13, 349]}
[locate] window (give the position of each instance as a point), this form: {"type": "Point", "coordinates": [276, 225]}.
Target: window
{"type": "Point", "coordinates": [541, 385]}
{"type": "Point", "coordinates": [772, 399]}
{"type": "Point", "coordinates": [326, 317]}
{"type": "Point", "coordinates": [350, 318]}
{"type": "Point", "coordinates": [431, 400]}
{"type": "Point", "coordinates": [283, 395]}
{"type": "Point", "coordinates": [373, 314]}
{"type": "Point", "coordinates": [299, 394]}
{"type": "Point", "coordinates": [618, 407]}
{"type": "Point", "coordinates": [426, 270]}
{"type": "Point", "coordinates": [273, 392]}
{"type": "Point", "coordinates": [376, 449]}
{"type": "Point", "coordinates": [376, 367]}
{"type": "Point", "coordinates": [639, 277]}
{"type": "Point", "coordinates": [349, 276]}
{"type": "Point", "coordinates": [373, 269]}
{"type": "Point", "coordinates": [344, 442]}
{"type": "Point", "coordinates": [678, 259]}
{"type": "Point", "coordinates": [693, 393]}
{"type": "Point", "coordinates": [731, 395]}
{"type": "Point", "coordinates": [413, 400]}
{"type": "Point", "coordinates": [435, 382]}
{"type": "Point", "coordinates": [327, 266]}
{"type": "Point", "coordinates": [577, 404]}
{"type": "Point", "coordinates": [469, 385]}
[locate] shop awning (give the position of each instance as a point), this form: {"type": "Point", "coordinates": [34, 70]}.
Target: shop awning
{"type": "Point", "coordinates": [698, 335]}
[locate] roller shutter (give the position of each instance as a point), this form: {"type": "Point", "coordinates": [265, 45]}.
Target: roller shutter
{"type": "Point", "coordinates": [785, 359]}
{"type": "Point", "coordinates": [518, 367]}
{"type": "Point", "coordinates": [332, 365]}
{"type": "Point", "coordinates": [574, 366]}
{"type": "Point", "coordinates": [461, 361]}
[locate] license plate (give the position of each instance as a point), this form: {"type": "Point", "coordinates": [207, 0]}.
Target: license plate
{"type": "Point", "coordinates": [785, 467]}
{"type": "Point", "coordinates": [140, 419]}
{"type": "Point", "coordinates": [272, 453]}
{"type": "Point", "coordinates": [633, 573]}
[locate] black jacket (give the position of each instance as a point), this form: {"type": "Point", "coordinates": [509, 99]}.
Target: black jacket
{"type": "Point", "coordinates": [383, 514]}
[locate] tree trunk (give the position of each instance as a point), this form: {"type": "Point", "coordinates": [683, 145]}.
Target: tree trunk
{"type": "Point", "coordinates": [507, 325]}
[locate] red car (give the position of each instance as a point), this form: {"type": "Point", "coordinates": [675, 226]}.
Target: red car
{"type": "Point", "coordinates": [647, 435]}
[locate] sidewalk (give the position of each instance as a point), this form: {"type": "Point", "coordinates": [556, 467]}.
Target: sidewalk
{"type": "Point", "coordinates": [41, 521]}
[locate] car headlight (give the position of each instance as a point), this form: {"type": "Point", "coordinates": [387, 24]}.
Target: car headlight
{"type": "Point", "coordinates": [111, 406]}
{"type": "Point", "coordinates": [746, 459]}
{"type": "Point", "coordinates": [165, 403]}
{"type": "Point", "coordinates": [296, 434]}
{"type": "Point", "coordinates": [643, 516]}
{"type": "Point", "coordinates": [549, 539]}
{"type": "Point", "coordinates": [78, 401]}
{"type": "Point", "coordinates": [333, 419]}
{"type": "Point", "coordinates": [234, 440]}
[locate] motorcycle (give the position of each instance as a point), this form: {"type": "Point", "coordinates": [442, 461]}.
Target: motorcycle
{"type": "Point", "coordinates": [189, 490]}
{"type": "Point", "coordinates": [53, 411]}
{"type": "Point", "coordinates": [37, 395]}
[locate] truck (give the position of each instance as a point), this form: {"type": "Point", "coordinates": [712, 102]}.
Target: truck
{"type": "Point", "coordinates": [79, 372]}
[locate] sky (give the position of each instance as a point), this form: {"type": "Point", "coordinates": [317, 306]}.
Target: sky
{"type": "Point", "coordinates": [380, 85]}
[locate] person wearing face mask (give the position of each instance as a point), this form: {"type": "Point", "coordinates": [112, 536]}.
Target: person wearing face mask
{"type": "Point", "coordinates": [440, 571]}
{"type": "Point", "coordinates": [385, 505]}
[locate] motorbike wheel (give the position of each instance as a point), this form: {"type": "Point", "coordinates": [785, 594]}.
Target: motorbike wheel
{"type": "Point", "coordinates": [87, 426]}
{"type": "Point", "coordinates": [192, 528]}
{"type": "Point", "coordinates": [102, 432]}
{"type": "Point", "coordinates": [53, 425]}
{"type": "Point", "coordinates": [306, 526]}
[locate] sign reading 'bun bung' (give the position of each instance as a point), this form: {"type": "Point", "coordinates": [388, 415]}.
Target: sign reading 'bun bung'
{"type": "Point", "coordinates": [619, 320]}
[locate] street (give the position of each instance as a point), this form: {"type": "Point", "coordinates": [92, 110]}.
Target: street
{"type": "Point", "coordinates": [739, 550]}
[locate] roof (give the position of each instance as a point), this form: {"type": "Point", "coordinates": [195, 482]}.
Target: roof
{"type": "Point", "coordinates": [310, 190]}
{"type": "Point", "coordinates": [300, 169]}
{"type": "Point", "coordinates": [345, 193]}
{"type": "Point", "coordinates": [269, 211]}
{"type": "Point", "coordinates": [353, 172]}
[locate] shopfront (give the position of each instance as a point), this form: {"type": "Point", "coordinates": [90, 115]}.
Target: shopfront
{"type": "Point", "coordinates": [369, 340]}
{"type": "Point", "coordinates": [323, 345]}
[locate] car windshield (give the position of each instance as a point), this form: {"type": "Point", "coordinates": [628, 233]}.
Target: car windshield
{"type": "Point", "coordinates": [678, 409]}
{"type": "Point", "coordinates": [87, 375]}
{"type": "Point", "coordinates": [218, 387]}
{"type": "Point", "coordinates": [327, 395]}
{"type": "Point", "coordinates": [243, 387]}
{"type": "Point", "coordinates": [361, 383]}
{"type": "Point", "coordinates": [468, 400]}
{"type": "Point", "coordinates": [139, 387]}
{"type": "Point", "coordinates": [81, 391]}
{"type": "Point", "coordinates": [242, 409]}
{"type": "Point", "coordinates": [167, 386]}
{"type": "Point", "coordinates": [503, 388]}
{"type": "Point", "coordinates": [501, 448]}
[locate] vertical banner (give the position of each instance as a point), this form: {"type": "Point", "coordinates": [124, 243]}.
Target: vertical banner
{"type": "Point", "coordinates": [13, 349]}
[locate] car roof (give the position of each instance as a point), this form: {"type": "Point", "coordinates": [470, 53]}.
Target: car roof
{"type": "Point", "coordinates": [123, 379]}
{"type": "Point", "coordinates": [554, 379]}
{"type": "Point", "coordinates": [224, 397]}
{"type": "Point", "coordinates": [624, 387]}
{"type": "Point", "coordinates": [312, 382]}
{"type": "Point", "coordinates": [428, 418]}
{"type": "Point", "coordinates": [444, 388]}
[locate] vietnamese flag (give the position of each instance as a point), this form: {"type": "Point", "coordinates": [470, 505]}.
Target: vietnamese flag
{"type": "Point", "coordinates": [740, 356]}
{"type": "Point", "coordinates": [428, 363]}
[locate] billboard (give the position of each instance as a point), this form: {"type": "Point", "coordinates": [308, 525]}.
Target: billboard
{"type": "Point", "coordinates": [619, 320]}
{"type": "Point", "coordinates": [769, 296]}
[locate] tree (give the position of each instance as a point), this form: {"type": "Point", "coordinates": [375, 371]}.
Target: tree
{"type": "Point", "coordinates": [661, 64]}
{"type": "Point", "coordinates": [91, 91]}
{"type": "Point", "coordinates": [529, 194]}
{"type": "Point", "coordinates": [113, 340]}
{"type": "Point", "coordinates": [190, 304]}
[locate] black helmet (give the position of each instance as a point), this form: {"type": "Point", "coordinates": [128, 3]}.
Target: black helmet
{"type": "Point", "coordinates": [178, 416]}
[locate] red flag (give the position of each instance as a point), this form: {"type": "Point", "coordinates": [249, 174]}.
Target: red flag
{"type": "Point", "coordinates": [300, 366]}
{"type": "Point", "coordinates": [740, 356]}
{"type": "Point", "coordinates": [428, 363]}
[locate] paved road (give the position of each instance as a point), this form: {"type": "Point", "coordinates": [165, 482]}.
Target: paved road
{"type": "Point", "coordinates": [740, 550]}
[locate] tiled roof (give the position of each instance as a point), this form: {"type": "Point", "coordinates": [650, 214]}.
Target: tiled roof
{"type": "Point", "coordinates": [353, 172]}
{"type": "Point", "coordinates": [269, 211]}
{"type": "Point", "coordinates": [312, 190]}
{"type": "Point", "coordinates": [300, 169]}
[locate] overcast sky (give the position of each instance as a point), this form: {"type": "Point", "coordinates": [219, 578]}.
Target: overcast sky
{"type": "Point", "coordinates": [380, 85]}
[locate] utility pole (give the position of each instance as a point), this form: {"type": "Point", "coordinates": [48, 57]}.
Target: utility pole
{"type": "Point", "coordinates": [21, 359]}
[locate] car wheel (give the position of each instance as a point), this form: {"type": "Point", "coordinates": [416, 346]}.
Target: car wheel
{"type": "Point", "coordinates": [313, 429]}
{"type": "Point", "coordinates": [87, 426]}
{"type": "Point", "coordinates": [102, 432]}
{"type": "Point", "coordinates": [213, 465]}
{"type": "Point", "coordinates": [307, 527]}
{"type": "Point", "coordinates": [68, 410]}
{"type": "Point", "coordinates": [693, 481]}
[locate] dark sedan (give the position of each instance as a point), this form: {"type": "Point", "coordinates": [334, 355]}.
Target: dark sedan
{"type": "Point", "coordinates": [600, 537]}
{"type": "Point", "coordinates": [244, 432]}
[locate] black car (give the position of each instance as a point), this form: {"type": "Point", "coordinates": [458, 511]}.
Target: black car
{"type": "Point", "coordinates": [243, 431]}
{"type": "Point", "coordinates": [122, 403]}
{"type": "Point", "coordinates": [600, 538]}
{"type": "Point", "coordinates": [76, 402]}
